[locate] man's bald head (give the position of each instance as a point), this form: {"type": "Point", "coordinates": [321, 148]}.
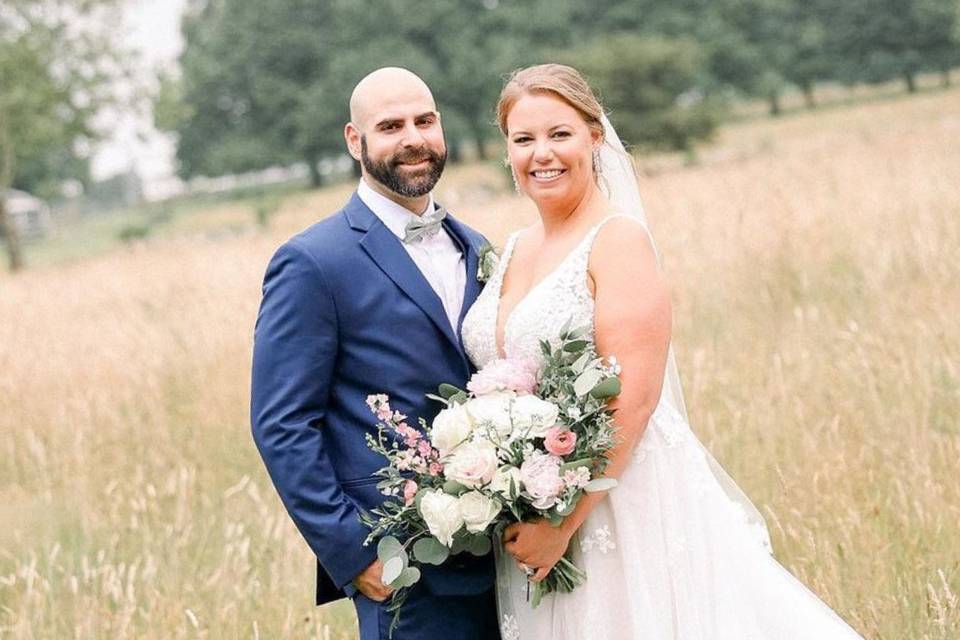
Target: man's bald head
{"type": "Point", "coordinates": [395, 133]}
{"type": "Point", "coordinates": [386, 88]}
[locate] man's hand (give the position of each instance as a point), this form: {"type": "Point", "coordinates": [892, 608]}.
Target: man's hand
{"type": "Point", "coordinates": [370, 584]}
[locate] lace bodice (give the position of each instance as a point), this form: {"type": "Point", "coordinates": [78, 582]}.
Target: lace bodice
{"type": "Point", "coordinates": [561, 296]}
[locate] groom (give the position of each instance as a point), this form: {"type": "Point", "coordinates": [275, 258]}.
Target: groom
{"type": "Point", "coordinates": [369, 300]}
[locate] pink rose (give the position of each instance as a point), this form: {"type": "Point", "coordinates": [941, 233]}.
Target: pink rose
{"type": "Point", "coordinates": [560, 441]}
{"type": "Point", "coordinates": [504, 374]}
{"type": "Point", "coordinates": [540, 475]}
{"type": "Point", "coordinates": [435, 468]}
{"type": "Point", "coordinates": [409, 492]}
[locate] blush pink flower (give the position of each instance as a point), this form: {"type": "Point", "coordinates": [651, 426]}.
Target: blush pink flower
{"type": "Point", "coordinates": [435, 468]}
{"type": "Point", "coordinates": [410, 435]}
{"type": "Point", "coordinates": [504, 374]}
{"type": "Point", "coordinates": [409, 492]}
{"type": "Point", "coordinates": [560, 441]}
{"type": "Point", "coordinates": [540, 475]}
{"type": "Point", "coordinates": [577, 478]}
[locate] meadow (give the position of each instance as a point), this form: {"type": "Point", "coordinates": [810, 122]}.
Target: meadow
{"type": "Point", "coordinates": [816, 285]}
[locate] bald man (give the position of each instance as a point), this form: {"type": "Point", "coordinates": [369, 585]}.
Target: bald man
{"type": "Point", "coordinates": [369, 300]}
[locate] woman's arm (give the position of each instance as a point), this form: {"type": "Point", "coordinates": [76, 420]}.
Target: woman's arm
{"type": "Point", "coordinates": [632, 321]}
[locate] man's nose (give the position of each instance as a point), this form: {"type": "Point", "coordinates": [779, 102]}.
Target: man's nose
{"type": "Point", "coordinates": [412, 137]}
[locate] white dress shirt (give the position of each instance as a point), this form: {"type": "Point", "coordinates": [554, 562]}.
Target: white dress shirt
{"type": "Point", "coordinates": [437, 256]}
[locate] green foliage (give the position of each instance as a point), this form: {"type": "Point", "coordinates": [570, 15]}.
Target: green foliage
{"type": "Point", "coordinates": [876, 40]}
{"type": "Point", "coordinates": [57, 64]}
{"type": "Point", "coordinates": [268, 83]}
{"type": "Point", "coordinates": [650, 86]}
{"type": "Point", "coordinates": [133, 232]}
{"type": "Point", "coordinates": [430, 551]}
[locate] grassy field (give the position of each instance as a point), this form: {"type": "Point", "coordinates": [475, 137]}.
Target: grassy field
{"type": "Point", "coordinates": [814, 262]}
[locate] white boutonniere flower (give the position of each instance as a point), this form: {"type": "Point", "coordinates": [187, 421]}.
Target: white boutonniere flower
{"type": "Point", "coordinates": [487, 263]}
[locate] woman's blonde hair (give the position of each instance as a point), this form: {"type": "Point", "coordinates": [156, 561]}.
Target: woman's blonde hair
{"type": "Point", "coordinates": [560, 80]}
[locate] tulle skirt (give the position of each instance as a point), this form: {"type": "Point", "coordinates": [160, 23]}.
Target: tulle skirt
{"type": "Point", "coordinates": [669, 556]}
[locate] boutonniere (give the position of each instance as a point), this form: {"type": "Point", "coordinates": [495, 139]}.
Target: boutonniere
{"type": "Point", "coordinates": [487, 262]}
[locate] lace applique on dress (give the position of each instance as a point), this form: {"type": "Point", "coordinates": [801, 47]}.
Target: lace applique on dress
{"type": "Point", "coordinates": [560, 297]}
{"type": "Point", "coordinates": [600, 540]}
{"type": "Point", "coordinates": [509, 629]}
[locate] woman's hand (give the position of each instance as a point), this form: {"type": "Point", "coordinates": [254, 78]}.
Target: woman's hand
{"type": "Point", "coordinates": [538, 545]}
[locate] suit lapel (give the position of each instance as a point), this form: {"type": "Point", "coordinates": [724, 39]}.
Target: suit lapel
{"type": "Point", "coordinates": [387, 251]}
{"type": "Point", "coordinates": [472, 288]}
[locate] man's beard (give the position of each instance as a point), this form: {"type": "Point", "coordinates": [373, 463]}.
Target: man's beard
{"type": "Point", "coordinates": [388, 173]}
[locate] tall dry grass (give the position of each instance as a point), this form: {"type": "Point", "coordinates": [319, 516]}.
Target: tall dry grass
{"type": "Point", "coordinates": [815, 267]}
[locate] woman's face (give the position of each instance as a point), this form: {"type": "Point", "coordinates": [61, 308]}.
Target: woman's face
{"type": "Point", "coordinates": [550, 148]}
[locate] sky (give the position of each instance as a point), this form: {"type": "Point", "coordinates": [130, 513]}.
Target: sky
{"type": "Point", "coordinates": [152, 27]}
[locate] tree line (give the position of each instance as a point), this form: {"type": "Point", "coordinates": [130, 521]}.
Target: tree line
{"type": "Point", "coordinates": [268, 83]}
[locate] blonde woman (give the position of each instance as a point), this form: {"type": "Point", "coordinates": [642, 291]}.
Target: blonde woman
{"type": "Point", "coordinates": [675, 551]}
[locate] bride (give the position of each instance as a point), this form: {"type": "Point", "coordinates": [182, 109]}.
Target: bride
{"type": "Point", "coordinates": [675, 551]}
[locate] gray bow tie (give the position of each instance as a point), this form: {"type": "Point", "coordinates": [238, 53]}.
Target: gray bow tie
{"type": "Point", "coordinates": [425, 225]}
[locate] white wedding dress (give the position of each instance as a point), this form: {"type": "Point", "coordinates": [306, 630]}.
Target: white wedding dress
{"type": "Point", "coordinates": [668, 554]}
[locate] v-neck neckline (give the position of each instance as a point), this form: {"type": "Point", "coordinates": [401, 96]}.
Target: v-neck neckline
{"type": "Point", "coordinates": [508, 255]}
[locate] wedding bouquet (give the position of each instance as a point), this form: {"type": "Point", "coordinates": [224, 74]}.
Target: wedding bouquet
{"type": "Point", "coordinates": [515, 446]}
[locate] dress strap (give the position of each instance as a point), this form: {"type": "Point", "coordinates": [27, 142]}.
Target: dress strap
{"type": "Point", "coordinates": [592, 234]}
{"type": "Point", "coordinates": [505, 258]}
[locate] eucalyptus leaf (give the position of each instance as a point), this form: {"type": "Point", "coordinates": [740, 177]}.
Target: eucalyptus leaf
{"type": "Point", "coordinates": [430, 551]}
{"type": "Point", "coordinates": [407, 578]}
{"type": "Point", "coordinates": [392, 569]}
{"type": "Point", "coordinates": [454, 488]}
{"type": "Point", "coordinates": [586, 381]}
{"type": "Point", "coordinates": [479, 545]}
{"type": "Point", "coordinates": [600, 484]}
{"type": "Point", "coordinates": [458, 398]}
{"type": "Point", "coordinates": [607, 388]}
{"type": "Point", "coordinates": [437, 398]}
{"type": "Point", "coordinates": [580, 363]}
{"type": "Point", "coordinates": [573, 464]}
{"type": "Point", "coordinates": [459, 544]}
{"type": "Point", "coordinates": [448, 390]}
{"type": "Point", "coordinates": [575, 346]}
{"type": "Point", "coordinates": [388, 547]}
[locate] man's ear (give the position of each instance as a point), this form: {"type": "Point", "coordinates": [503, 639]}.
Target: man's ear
{"type": "Point", "coordinates": [352, 135]}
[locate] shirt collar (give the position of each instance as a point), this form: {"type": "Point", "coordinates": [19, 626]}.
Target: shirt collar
{"type": "Point", "coordinates": [393, 215]}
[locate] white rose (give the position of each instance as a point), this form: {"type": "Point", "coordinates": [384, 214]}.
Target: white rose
{"type": "Point", "coordinates": [478, 511]}
{"type": "Point", "coordinates": [472, 464]}
{"type": "Point", "coordinates": [441, 512]}
{"type": "Point", "coordinates": [451, 427]}
{"type": "Point", "coordinates": [492, 411]}
{"type": "Point", "coordinates": [503, 476]}
{"type": "Point", "coordinates": [532, 417]}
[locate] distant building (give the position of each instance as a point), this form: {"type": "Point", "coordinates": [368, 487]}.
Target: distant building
{"type": "Point", "coordinates": [30, 215]}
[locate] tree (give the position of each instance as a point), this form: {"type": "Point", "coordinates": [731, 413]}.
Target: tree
{"type": "Point", "coordinates": [650, 86]}
{"type": "Point", "coordinates": [884, 39]}
{"type": "Point", "coordinates": [244, 70]}
{"type": "Point", "coordinates": [57, 69]}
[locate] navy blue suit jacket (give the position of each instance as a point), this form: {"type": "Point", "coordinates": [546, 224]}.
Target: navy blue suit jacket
{"type": "Point", "coordinates": [347, 313]}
